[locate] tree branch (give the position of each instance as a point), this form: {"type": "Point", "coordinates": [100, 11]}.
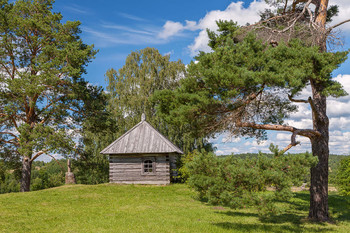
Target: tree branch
{"type": "Point", "coordinates": [303, 132]}
{"type": "Point", "coordinates": [309, 100]}
{"type": "Point", "coordinates": [293, 142]}
{"type": "Point", "coordinates": [337, 25]}
{"type": "Point", "coordinates": [10, 141]}
{"type": "Point", "coordinates": [298, 17]}
{"type": "Point", "coordinates": [12, 134]}
{"type": "Point", "coordinates": [297, 101]}
{"type": "Point", "coordinates": [313, 107]}
{"type": "Point", "coordinates": [6, 68]}
{"type": "Point", "coordinates": [14, 122]}
{"type": "Point", "coordinates": [42, 152]}
{"type": "Point", "coordinates": [37, 155]}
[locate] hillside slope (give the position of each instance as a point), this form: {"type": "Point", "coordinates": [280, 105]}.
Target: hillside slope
{"type": "Point", "coordinates": [129, 208]}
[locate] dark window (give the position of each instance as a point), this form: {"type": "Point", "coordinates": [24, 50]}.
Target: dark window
{"type": "Point", "coordinates": [148, 166]}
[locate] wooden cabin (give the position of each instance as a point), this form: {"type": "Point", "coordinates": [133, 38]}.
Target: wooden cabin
{"type": "Point", "coordinates": [142, 156]}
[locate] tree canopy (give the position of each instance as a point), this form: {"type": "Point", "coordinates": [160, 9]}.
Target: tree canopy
{"type": "Point", "coordinates": [132, 88]}
{"type": "Point", "coordinates": [42, 94]}
{"type": "Point", "coordinates": [251, 81]}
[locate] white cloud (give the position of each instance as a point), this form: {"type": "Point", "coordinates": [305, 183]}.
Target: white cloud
{"type": "Point", "coordinates": [171, 28]}
{"type": "Point", "coordinates": [229, 138]}
{"type": "Point", "coordinates": [235, 11]}
{"type": "Point", "coordinates": [227, 151]}
{"type": "Point", "coordinates": [344, 12]}
{"type": "Point", "coordinates": [257, 144]}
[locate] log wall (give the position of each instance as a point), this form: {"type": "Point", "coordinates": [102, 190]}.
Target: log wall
{"type": "Point", "coordinates": [128, 169]}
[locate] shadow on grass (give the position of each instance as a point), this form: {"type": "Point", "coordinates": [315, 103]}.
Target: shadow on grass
{"type": "Point", "coordinates": [248, 227]}
{"type": "Point", "coordinates": [339, 206]}
{"type": "Point", "coordinates": [295, 216]}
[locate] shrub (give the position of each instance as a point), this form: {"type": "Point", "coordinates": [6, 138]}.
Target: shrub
{"type": "Point", "coordinates": [236, 182]}
{"type": "Point", "coordinates": [343, 177]}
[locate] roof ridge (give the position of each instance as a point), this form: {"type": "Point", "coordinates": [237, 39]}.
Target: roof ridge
{"type": "Point", "coordinates": [121, 137]}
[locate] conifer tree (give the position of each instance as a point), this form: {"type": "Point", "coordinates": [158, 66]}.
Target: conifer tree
{"type": "Point", "coordinates": [42, 93]}
{"type": "Point", "coordinates": [248, 84]}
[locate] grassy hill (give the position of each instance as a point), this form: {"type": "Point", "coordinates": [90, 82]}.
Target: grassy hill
{"type": "Point", "coordinates": [129, 208]}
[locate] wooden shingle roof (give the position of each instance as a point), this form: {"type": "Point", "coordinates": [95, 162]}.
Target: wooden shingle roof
{"type": "Point", "coordinates": [143, 138]}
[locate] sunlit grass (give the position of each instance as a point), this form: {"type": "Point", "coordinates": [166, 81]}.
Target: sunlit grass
{"type": "Point", "coordinates": [129, 208]}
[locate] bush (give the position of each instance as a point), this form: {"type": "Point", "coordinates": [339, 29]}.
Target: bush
{"type": "Point", "coordinates": [343, 177]}
{"type": "Point", "coordinates": [91, 169]}
{"type": "Point", "coordinates": [236, 182]}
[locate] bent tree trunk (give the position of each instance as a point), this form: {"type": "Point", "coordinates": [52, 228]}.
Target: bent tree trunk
{"type": "Point", "coordinates": [319, 174]}
{"type": "Point", "coordinates": [26, 173]}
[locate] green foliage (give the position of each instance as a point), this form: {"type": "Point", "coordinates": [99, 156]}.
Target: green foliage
{"type": "Point", "coordinates": [44, 175]}
{"type": "Point", "coordinates": [9, 182]}
{"type": "Point", "coordinates": [247, 81]}
{"type": "Point", "coordinates": [132, 90]}
{"type": "Point", "coordinates": [9, 174]}
{"type": "Point", "coordinates": [238, 183]}
{"type": "Point", "coordinates": [43, 95]}
{"type": "Point", "coordinates": [343, 177]}
{"type": "Point", "coordinates": [48, 175]}
{"type": "Point", "coordinates": [91, 168]}
{"type": "Point", "coordinates": [183, 171]}
{"type": "Point", "coordinates": [99, 130]}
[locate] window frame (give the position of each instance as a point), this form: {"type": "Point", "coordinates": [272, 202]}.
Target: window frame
{"type": "Point", "coordinates": [153, 160]}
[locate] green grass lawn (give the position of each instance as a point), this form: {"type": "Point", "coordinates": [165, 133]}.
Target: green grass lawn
{"type": "Point", "coordinates": [129, 208]}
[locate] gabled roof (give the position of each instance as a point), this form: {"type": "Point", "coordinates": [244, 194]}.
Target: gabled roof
{"type": "Point", "coordinates": [143, 138]}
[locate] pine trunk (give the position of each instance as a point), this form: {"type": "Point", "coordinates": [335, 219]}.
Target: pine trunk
{"type": "Point", "coordinates": [26, 174]}
{"type": "Point", "coordinates": [319, 174]}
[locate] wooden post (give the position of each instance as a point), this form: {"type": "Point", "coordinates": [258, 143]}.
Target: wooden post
{"type": "Point", "coordinates": [70, 178]}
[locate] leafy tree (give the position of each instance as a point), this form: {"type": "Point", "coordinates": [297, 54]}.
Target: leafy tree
{"type": "Point", "coordinates": [42, 95]}
{"type": "Point", "coordinates": [343, 176]}
{"type": "Point", "coordinates": [132, 88]}
{"type": "Point", "coordinates": [98, 131]}
{"type": "Point", "coordinates": [248, 85]}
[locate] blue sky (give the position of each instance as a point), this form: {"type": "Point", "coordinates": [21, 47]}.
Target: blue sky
{"type": "Point", "coordinates": [178, 28]}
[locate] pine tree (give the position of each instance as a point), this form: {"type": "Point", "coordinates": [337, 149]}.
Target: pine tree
{"type": "Point", "coordinates": [248, 85]}
{"type": "Point", "coordinates": [42, 93]}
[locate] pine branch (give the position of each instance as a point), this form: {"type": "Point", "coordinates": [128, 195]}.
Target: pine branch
{"type": "Point", "coordinates": [9, 141]}
{"type": "Point", "coordinates": [293, 142]}
{"type": "Point", "coordinates": [290, 97]}
{"type": "Point", "coordinates": [9, 133]}
{"type": "Point", "coordinates": [37, 155]}
{"type": "Point", "coordinates": [303, 132]}
{"type": "Point", "coordinates": [313, 107]}
{"type": "Point", "coordinates": [337, 25]}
